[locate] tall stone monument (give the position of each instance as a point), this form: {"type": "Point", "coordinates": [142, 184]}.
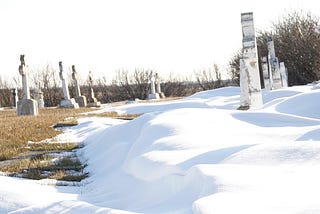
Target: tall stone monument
{"type": "Point", "coordinates": [284, 76]}
{"type": "Point", "coordinates": [153, 95]}
{"type": "Point", "coordinates": [92, 101]}
{"type": "Point", "coordinates": [273, 65]}
{"type": "Point", "coordinates": [265, 72]}
{"type": "Point", "coordinates": [67, 102]}
{"type": "Point", "coordinates": [251, 81]}
{"type": "Point", "coordinates": [26, 106]}
{"type": "Point", "coordinates": [158, 86]}
{"type": "Point", "coordinates": [81, 100]}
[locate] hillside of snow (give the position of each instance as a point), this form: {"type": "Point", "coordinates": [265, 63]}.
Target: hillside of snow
{"type": "Point", "coordinates": [193, 155]}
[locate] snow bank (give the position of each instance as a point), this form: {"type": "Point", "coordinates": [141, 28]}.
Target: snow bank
{"type": "Point", "coordinates": [199, 155]}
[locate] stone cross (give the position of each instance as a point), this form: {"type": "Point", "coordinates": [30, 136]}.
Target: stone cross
{"type": "Point", "coordinates": [23, 73]}
{"type": "Point", "coordinates": [64, 80]}
{"type": "Point", "coordinates": [75, 78]}
{"type": "Point", "coordinates": [250, 61]}
{"type": "Point", "coordinates": [273, 65]}
{"type": "Point", "coordinates": [25, 106]}
{"type": "Point", "coordinates": [93, 102]}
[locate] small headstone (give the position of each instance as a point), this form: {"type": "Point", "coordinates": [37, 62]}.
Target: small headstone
{"type": "Point", "coordinates": [26, 106]}
{"type": "Point", "coordinates": [158, 86]}
{"type": "Point", "coordinates": [251, 80]}
{"type": "Point", "coordinates": [67, 102]}
{"type": "Point", "coordinates": [153, 95]}
{"type": "Point", "coordinates": [93, 102]}
{"type": "Point", "coordinates": [284, 75]}
{"type": "Point", "coordinates": [265, 72]}
{"type": "Point", "coordinates": [273, 65]}
{"type": "Point", "coordinates": [38, 96]}
{"type": "Point", "coordinates": [81, 100]}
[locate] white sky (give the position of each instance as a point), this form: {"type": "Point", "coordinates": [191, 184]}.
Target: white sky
{"type": "Point", "coordinates": [176, 36]}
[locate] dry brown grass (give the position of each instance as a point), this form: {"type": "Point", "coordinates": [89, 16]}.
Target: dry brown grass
{"type": "Point", "coordinates": [16, 131]}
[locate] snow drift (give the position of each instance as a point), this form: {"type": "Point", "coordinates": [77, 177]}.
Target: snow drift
{"type": "Point", "coordinates": [194, 155]}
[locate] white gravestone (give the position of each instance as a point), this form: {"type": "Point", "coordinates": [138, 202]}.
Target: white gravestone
{"type": "Point", "coordinates": [158, 87]}
{"type": "Point", "coordinates": [26, 106]}
{"type": "Point", "coordinates": [265, 72]}
{"type": "Point", "coordinates": [93, 102]}
{"type": "Point", "coordinates": [38, 96]}
{"type": "Point", "coordinates": [153, 95]}
{"type": "Point", "coordinates": [250, 61]}
{"type": "Point", "coordinates": [81, 100]}
{"type": "Point", "coordinates": [67, 102]}
{"type": "Point", "coordinates": [273, 65]}
{"type": "Point", "coordinates": [284, 76]}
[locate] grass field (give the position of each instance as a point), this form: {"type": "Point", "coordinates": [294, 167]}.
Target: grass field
{"type": "Point", "coordinates": [24, 153]}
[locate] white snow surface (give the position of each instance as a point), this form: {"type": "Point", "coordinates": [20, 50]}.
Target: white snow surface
{"type": "Point", "coordinates": [194, 155]}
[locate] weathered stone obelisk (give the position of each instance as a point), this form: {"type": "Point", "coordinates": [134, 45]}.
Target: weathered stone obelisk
{"type": "Point", "coordinates": [265, 72]}
{"type": "Point", "coordinates": [284, 76]}
{"type": "Point", "coordinates": [273, 65]}
{"type": "Point", "coordinates": [93, 102]}
{"type": "Point", "coordinates": [153, 95]}
{"type": "Point", "coordinates": [26, 106]}
{"type": "Point", "coordinates": [251, 81]}
{"type": "Point", "coordinates": [67, 102]}
{"type": "Point", "coordinates": [81, 100]}
{"type": "Point", "coordinates": [158, 86]}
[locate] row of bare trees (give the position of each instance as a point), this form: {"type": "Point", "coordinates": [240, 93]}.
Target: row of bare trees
{"type": "Point", "coordinates": [297, 43]}
{"type": "Point", "coordinates": [125, 85]}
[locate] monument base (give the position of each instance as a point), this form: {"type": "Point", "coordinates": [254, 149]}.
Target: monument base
{"type": "Point", "coordinates": [82, 101]}
{"type": "Point", "coordinates": [154, 96]}
{"type": "Point", "coordinates": [94, 104]}
{"type": "Point", "coordinates": [69, 104]}
{"type": "Point", "coordinates": [27, 107]}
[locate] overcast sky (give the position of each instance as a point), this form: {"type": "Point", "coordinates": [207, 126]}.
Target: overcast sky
{"type": "Point", "coordinates": [177, 36]}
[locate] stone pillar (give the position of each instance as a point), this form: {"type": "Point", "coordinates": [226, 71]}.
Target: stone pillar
{"type": "Point", "coordinates": [158, 88]}
{"type": "Point", "coordinates": [153, 95]}
{"type": "Point", "coordinates": [265, 71]}
{"type": "Point", "coordinates": [26, 106]}
{"type": "Point", "coordinates": [284, 76]}
{"type": "Point", "coordinates": [250, 61]}
{"type": "Point", "coordinates": [67, 102]}
{"type": "Point", "coordinates": [274, 65]}
{"type": "Point", "coordinates": [81, 100]}
{"type": "Point", "coordinates": [93, 102]}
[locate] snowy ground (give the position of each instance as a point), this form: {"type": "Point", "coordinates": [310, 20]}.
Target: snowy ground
{"type": "Point", "coordinates": [194, 155]}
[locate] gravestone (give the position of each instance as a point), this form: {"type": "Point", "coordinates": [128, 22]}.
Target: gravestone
{"type": "Point", "coordinates": [26, 106]}
{"type": "Point", "coordinates": [38, 96]}
{"type": "Point", "coordinates": [158, 86]}
{"type": "Point", "coordinates": [251, 79]}
{"type": "Point", "coordinates": [244, 89]}
{"type": "Point", "coordinates": [15, 97]}
{"type": "Point", "coordinates": [81, 100]}
{"type": "Point", "coordinates": [93, 102]}
{"type": "Point", "coordinates": [153, 95]}
{"type": "Point", "coordinates": [273, 65]}
{"type": "Point", "coordinates": [265, 72]}
{"type": "Point", "coordinates": [67, 102]}
{"type": "Point", "coordinates": [284, 76]}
